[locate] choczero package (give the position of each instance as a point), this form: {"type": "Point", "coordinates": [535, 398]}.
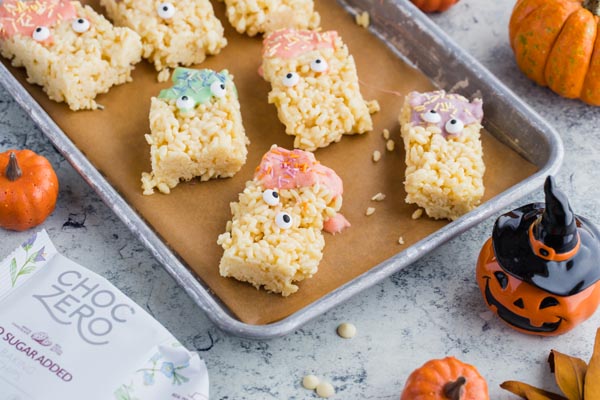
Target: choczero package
{"type": "Point", "coordinates": [66, 331]}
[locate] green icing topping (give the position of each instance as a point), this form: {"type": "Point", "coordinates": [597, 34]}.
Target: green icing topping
{"type": "Point", "coordinates": [194, 83]}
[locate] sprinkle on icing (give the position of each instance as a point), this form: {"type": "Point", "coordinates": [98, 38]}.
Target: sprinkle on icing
{"type": "Point", "coordinates": [290, 43]}
{"type": "Point", "coordinates": [193, 83]}
{"type": "Point", "coordinates": [448, 105]}
{"type": "Point", "coordinates": [22, 16]}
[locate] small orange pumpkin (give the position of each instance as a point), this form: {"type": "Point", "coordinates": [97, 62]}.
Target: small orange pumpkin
{"type": "Point", "coordinates": [445, 379]}
{"type": "Point", "coordinates": [28, 189]}
{"type": "Point", "coordinates": [556, 44]}
{"type": "Point", "coordinates": [430, 6]}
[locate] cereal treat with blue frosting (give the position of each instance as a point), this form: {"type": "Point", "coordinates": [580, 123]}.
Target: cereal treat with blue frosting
{"type": "Point", "coordinates": [173, 33]}
{"type": "Point", "coordinates": [196, 130]}
{"type": "Point", "coordinates": [68, 49]}
{"type": "Point", "coordinates": [314, 85]}
{"type": "Point", "coordinates": [260, 16]}
{"type": "Point", "coordinates": [444, 157]}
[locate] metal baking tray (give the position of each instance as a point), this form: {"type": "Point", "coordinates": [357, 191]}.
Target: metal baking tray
{"type": "Point", "coordinates": [414, 38]}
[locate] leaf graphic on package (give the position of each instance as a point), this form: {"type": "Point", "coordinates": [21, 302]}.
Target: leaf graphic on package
{"type": "Point", "coordinates": [592, 378]}
{"type": "Point", "coordinates": [569, 373]}
{"type": "Point", "coordinates": [13, 271]}
{"type": "Point", "coordinates": [529, 392]}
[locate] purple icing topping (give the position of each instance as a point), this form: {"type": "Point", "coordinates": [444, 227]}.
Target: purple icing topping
{"type": "Point", "coordinates": [448, 105]}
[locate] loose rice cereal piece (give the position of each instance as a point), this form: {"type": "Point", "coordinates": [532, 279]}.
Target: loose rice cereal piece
{"type": "Point", "coordinates": [370, 211]}
{"type": "Point", "coordinates": [376, 155]}
{"type": "Point", "coordinates": [400, 240]}
{"type": "Point", "coordinates": [260, 16]}
{"type": "Point", "coordinates": [417, 213]}
{"type": "Point", "coordinates": [314, 86]}
{"type": "Point", "coordinates": [363, 19]}
{"type": "Point", "coordinates": [274, 238]}
{"type": "Point", "coordinates": [386, 134]}
{"type": "Point", "coordinates": [444, 158]}
{"type": "Point", "coordinates": [378, 197]}
{"type": "Point", "coordinates": [173, 34]}
{"type": "Point", "coordinates": [196, 130]}
{"type": "Point", "coordinates": [68, 49]}
{"type": "Point", "coordinates": [390, 145]}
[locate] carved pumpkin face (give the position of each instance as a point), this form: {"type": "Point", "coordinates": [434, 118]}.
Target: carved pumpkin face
{"type": "Point", "coordinates": [528, 308]}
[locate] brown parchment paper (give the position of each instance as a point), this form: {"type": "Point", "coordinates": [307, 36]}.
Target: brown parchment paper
{"type": "Point", "coordinates": [194, 214]}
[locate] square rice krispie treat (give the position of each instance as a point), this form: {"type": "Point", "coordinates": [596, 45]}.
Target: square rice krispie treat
{"type": "Point", "coordinates": [196, 130]}
{"type": "Point", "coordinates": [173, 33]}
{"type": "Point", "coordinates": [68, 49]}
{"type": "Point", "coordinates": [274, 238]}
{"type": "Point", "coordinates": [260, 16]}
{"type": "Point", "coordinates": [314, 86]}
{"type": "Point", "coordinates": [444, 158]}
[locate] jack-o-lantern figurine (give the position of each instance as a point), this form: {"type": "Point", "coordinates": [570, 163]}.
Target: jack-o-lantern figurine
{"type": "Point", "coordinates": [540, 270]}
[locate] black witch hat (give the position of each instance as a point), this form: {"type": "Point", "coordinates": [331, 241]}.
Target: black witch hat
{"type": "Point", "coordinates": [548, 246]}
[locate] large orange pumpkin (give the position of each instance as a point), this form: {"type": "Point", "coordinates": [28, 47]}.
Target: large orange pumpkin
{"type": "Point", "coordinates": [28, 189]}
{"type": "Point", "coordinates": [445, 379]}
{"type": "Point", "coordinates": [430, 6]}
{"type": "Point", "coordinates": [557, 44]}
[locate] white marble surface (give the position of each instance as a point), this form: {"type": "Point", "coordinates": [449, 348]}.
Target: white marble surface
{"type": "Point", "coordinates": [429, 310]}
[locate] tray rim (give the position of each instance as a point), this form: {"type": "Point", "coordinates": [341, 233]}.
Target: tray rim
{"type": "Point", "coordinates": [201, 295]}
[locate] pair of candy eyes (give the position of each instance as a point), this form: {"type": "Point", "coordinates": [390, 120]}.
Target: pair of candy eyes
{"type": "Point", "coordinates": [217, 89]}
{"type": "Point", "coordinates": [503, 282]}
{"type": "Point", "coordinates": [453, 126]}
{"type": "Point", "coordinates": [292, 78]}
{"type": "Point", "coordinates": [282, 219]}
{"type": "Point", "coordinates": [79, 25]}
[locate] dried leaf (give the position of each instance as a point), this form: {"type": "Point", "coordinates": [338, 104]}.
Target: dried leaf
{"type": "Point", "coordinates": [529, 392]}
{"type": "Point", "coordinates": [569, 373]}
{"type": "Point", "coordinates": [592, 378]}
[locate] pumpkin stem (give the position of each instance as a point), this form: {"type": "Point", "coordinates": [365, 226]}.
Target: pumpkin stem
{"type": "Point", "coordinates": [593, 6]}
{"type": "Point", "coordinates": [13, 172]}
{"type": "Point", "coordinates": [454, 390]}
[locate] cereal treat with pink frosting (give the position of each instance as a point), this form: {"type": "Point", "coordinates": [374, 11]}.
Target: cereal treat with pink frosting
{"type": "Point", "coordinates": [173, 33]}
{"type": "Point", "coordinates": [444, 157]}
{"type": "Point", "coordinates": [68, 49]}
{"type": "Point", "coordinates": [259, 16]}
{"type": "Point", "coordinates": [274, 238]}
{"type": "Point", "coordinates": [314, 86]}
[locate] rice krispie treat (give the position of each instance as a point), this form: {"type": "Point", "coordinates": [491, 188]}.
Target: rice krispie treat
{"type": "Point", "coordinates": [274, 238]}
{"type": "Point", "coordinates": [68, 49]}
{"type": "Point", "coordinates": [444, 158]}
{"type": "Point", "coordinates": [259, 16]}
{"type": "Point", "coordinates": [173, 34]}
{"type": "Point", "coordinates": [314, 86]}
{"type": "Point", "coordinates": [196, 130]}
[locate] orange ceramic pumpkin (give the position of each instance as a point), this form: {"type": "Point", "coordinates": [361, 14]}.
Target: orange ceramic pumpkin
{"type": "Point", "coordinates": [28, 189]}
{"type": "Point", "coordinates": [556, 44]}
{"type": "Point", "coordinates": [445, 379]}
{"type": "Point", "coordinates": [430, 6]}
{"type": "Point", "coordinates": [540, 270]}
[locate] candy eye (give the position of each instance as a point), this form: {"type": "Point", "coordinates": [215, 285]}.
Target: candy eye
{"type": "Point", "coordinates": [41, 33]}
{"type": "Point", "coordinates": [291, 79]}
{"type": "Point", "coordinates": [319, 65]}
{"type": "Point", "coordinates": [431, 116]}
{"type": "Point", "coordinates": [165, 10]}
{"type": "Point", "coordinates": [80, 25]}
{"type": "Point", "coordinates": [271, 197]}
{"type": "Point", "coordinates": [283, 220]}
{"type": "Point", "coordinates": [185, 103]}
{"type": "Point", "coordinates": [217, 88]}
{"type": "Point", "coordinates": [454, 126]}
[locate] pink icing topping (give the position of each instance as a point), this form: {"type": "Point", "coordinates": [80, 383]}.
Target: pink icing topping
{"type": "Point", "coordinates": [289, 43]}
{"type": "Point", "coordinates": [447, 105]}
{"type": "Point", "coordinates": [22, 17]}
{"type": "Point", "coordinates": [336, 224]}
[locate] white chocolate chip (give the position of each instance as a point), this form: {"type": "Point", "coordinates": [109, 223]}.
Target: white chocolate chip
{"type": "Point", "coordinates": [400, 240]}
{"type": "Point", "coordinates": [376, 155]}
{"type": "Point", "coordinates": [417, 214]}
{"type": "Point", "coordinates": [370, 211]}
{"type": "Point", "coordinates": [386, 134]}
{"type": "Point", "coordinates": [325, 390]}
{"type": "Point", "coordinates": [346, 330]}
{"type": "Point", "coordinates": [389, 145]}
{"type": "Point", "coordinates": [310, 382]}
{"type": "Point", "coordinates": [378, 197]}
